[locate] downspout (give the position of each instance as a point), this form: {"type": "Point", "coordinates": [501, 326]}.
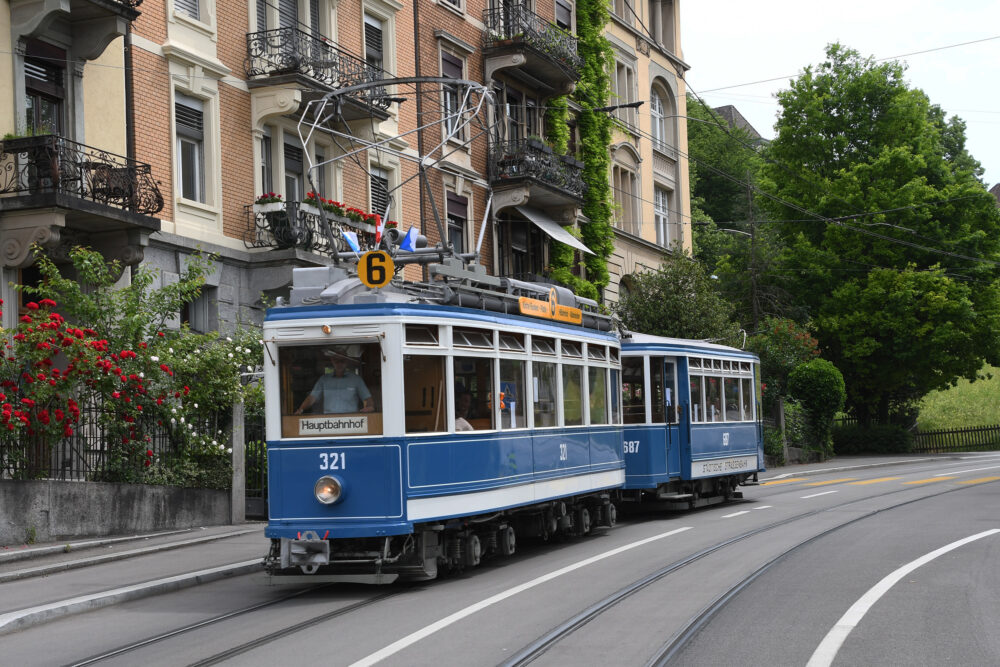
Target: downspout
{"type": "Point", "coordinates": [129, 96]}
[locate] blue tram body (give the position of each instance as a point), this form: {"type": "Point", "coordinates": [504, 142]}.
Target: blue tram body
{"type": "Point", "coordinates": [691, 427]}
{"type": "Point", "coordinates": [465, 428]}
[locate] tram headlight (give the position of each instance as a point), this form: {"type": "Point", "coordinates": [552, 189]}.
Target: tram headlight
{"type": "Point", "coordinates": [328, 490]}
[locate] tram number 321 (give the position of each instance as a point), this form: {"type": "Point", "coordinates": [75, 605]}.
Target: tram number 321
{"type": "Point", "coordinates": [631, 446]}
{"type": "Point", "coordinates": [332, 461]}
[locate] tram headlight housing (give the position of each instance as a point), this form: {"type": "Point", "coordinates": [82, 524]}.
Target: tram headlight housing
{"type": "Point", "coordinates": [328, 489]}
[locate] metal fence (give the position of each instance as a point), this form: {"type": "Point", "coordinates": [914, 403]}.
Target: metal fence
{"type": "Point", "coordinates": [256, 466]}
{"type": "Point", "coordinates": [968, 439]}
{"type": "Point", "coordinates": [100, 449]}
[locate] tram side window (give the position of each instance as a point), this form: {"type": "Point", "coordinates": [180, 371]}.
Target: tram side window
{"type": "Point", "coordinates": [632, 390]}
{"type": "Point", "coordinates": [697, 402]}
{"type": "Point", "coordinates": [572, 377]}
{"type": "Point", "coordinates": [713, 399]}
{"type": "Point", "coordinates": [473, 393]}
{"type": "Point", "coordinates": [746, 397]}
{"type": "Point", "coordinates": [543, 385]}
{"type": "Point", "coordinates": [512, 387]}
{"type": "Point", "coordinates": [616, 410]}
{"type": "Point", "coordinates": [425, 395]}
{"type": "Point", "coordinates": [598, 395]}
{"type": "Point", "coordinates": [318, 382]}
{"type": "Point", "coordinates": [731, 394]}
{"type": "Point", "coordinates": [657, 398]}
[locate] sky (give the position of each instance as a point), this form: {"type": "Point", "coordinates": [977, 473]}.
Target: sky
{"type": "Point", "coordinates": [733, 42]}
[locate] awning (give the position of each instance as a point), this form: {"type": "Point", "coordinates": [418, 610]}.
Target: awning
{"type": "Point", "coordinates": [552, 228]}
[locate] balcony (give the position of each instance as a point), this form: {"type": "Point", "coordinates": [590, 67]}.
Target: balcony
{"type": "Point", "coordinates": [298, 225]}
{"type": "Point", "coordinates": [93, 23]}
{"type": "Point", "coordinates": [551, 180]}
{"type": "Point", "coordinates": [535, 51]}
{"type": "Point", "coordinates": [288, 55]}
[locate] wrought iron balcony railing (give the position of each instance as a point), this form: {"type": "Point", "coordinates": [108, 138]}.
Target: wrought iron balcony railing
{"type": "Point", "coordinates": [531, 159]}
{"type": "Point", "coordinates": [290, 51]}
{"type": "Point", "coordinates": [516, 24]}
{"type": "Point", "coordinates": [54, 164]}
{"type": "Point", "coordinates": [298, 225]}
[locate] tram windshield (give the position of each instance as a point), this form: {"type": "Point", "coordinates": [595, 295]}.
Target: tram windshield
{"type": "Point", "coordinates": [331, 390]}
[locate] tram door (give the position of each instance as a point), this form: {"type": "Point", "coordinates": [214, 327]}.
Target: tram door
{"type": "Point", "coordinates": [665, 407]}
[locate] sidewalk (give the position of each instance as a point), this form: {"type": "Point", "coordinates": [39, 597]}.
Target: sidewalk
{"type": "Point", "coordinates": [846, 463]}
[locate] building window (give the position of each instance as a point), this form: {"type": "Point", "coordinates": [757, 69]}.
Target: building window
{"type": "Point", "coordinates": [623, 9]}
{"type": "Point", "coordinates": [522, 249]}
{"type": "Point", "coordinates": [453, 68]}
{"type": "Point", "coordinates": [564, 15]}
{"type": "Point", "coordinates": [288, 13]}
{"type": "Point", "coordinates": [661, 215]}
{"type": "Point", "coordinates": [189, 8]}
{"type": "Point", "coordinates": [266, 170]}
{"type": "Point", "coordinates": [374, 48]}
{"type": "Point", "coordinates": [625, 88]}
{"type": "Point", "coordinates": [458, 213]}
{"type": "Point", "coordinates": [190, 124]}
{"type": "Point", "coordinates": [379, 181]}
{"type": "Point", "coordinates": [44, 84]}
{"type": "Point", "coordinates": [625, 185]}
{"type": "Point", "coordinates": [658, 129]}
{"type": "Point", "coordinates": [293, 172]}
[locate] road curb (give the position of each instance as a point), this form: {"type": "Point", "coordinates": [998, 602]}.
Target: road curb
{"type": "Point", "coordinates": [25, 618]}
{"type": "Point", "coordinates": [859, 466]}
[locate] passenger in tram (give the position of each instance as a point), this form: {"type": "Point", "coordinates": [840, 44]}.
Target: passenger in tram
{"type": "Point", "coordinates": [463, 412]}
{"type": "Point", "coordinates": [340, 390]}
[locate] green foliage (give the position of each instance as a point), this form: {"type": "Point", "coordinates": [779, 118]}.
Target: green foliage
{"type": "Point", "coordinates": [678, 300]}
{"type": "Point", "coordinates": [773, 447]}
{"type": "Point", "coordinates": [781, 345]}
{"type": "Point", "coordinates": [900, 334]}
{"type": "Point", "coordinates": [557, 124]}
{"type": "Point", "coordinates": [819, 387]}
{"type": "Point", "coordinates": [797, 426]}
{"type": "Point", "coordinates": [854, 143]}
{"type": "Point", "coordinates": [593, 91]}
{"type": "Point", "coordinates": [871, 439]}
{"type": "Point", "coordinates": [968, 403]}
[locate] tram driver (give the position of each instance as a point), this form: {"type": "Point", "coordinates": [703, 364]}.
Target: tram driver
{"type": "Point", "coordinates": [339, 390]}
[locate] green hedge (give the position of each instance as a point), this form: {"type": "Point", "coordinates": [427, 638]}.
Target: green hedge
{"type": "Point", "coordinates": [875, 439]}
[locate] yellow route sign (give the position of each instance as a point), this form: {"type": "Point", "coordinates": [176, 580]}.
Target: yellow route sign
{"type": "Point", "coordinates": [376, 268]}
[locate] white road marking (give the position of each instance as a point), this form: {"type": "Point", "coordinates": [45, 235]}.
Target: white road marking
{"type": "Point", "coordinates": [961, 472]}
{"type": "Point", "coordinates": [763, 507]}
{"type": "Point", "coordinates": [814, 495]}
{"type": "Point", "coordinates": [981, 456]}
{"type": "Point", "coordinates": [427, 631]}
{"type": "Point", "coordinates": [827, 650]}
{"type": "Point", "coordinates": [729, 516]}
{"type": "Point", "coordinates": [819, 470]}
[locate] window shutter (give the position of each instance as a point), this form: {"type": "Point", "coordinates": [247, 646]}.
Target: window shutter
{"type": "Point", "coordinates": [314, 17]}
{"type": "Point", "coordinates": [188, 8]}
{"type": "Point", "coordinates": [564, 15]}
{"type": "Point", "coordinates": [451, 66]}
{"type": "Point", "coordinates": [261, 15]}
{"type": "Point", "coordinates": [190, 119]}
{"type": "Point", "coordinates": [458, 205]}
{"type": "Point", "coordinates": [373, 41]}
{"type": "Point", "coordinates": [288, 13]}
{"type": "Point", "coordinates": [380, 191]}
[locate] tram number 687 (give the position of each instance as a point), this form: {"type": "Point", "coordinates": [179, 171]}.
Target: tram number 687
{"type": "Point", "coordinates": [631, 446]}
{"type": "Point", "coordinates": [332, 461]}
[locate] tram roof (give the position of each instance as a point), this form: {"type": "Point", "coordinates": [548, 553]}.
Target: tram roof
{"type": "Point", "coordinates": [643, 342]}
{"type": "Point", "coordinates": [421, 311]}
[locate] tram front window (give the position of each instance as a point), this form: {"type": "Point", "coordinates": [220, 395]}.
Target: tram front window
{"type": "Point", "coordinates": [331, 390]}
{"type": "Point", "coordinates": [473, 393]}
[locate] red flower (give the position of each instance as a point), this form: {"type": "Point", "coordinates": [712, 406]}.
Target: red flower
{"type": "Point", "coordinates": [31, 305]}
{"type": "Point", "coordinates": [164, 368]}
{"type": "Point", "coordinates": [146, 463]}
{"type": "Point", "coordinates": [48, 303]}
{"type": "Point", "coordinates": [67, 430]}
{"type": "Point", "coordinates": [149, 452]}
{"type": "Point", "coordinates": [26, 319]}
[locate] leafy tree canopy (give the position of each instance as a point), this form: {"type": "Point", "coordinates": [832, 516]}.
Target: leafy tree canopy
{"type": "Point", "coordinates": [679, 300]}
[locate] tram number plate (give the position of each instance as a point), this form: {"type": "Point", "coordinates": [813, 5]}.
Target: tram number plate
{"type": "Point", "coordinates": [332, 461]}
{"type": "Point", "coordinates": [631, 446]}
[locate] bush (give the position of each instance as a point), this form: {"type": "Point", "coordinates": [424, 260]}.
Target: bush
{"type": "Point", "coordinates": [819, 387]}
{"type": "Point", "coordinates": [873, 439]}
{"type": "Point", "coordinates": [773, 448]}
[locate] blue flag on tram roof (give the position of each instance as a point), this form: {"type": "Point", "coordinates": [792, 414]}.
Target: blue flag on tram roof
{"type": "Point", "coordinates": [409, 241]}
{"type": "Point", "coordinates": [352, 240]}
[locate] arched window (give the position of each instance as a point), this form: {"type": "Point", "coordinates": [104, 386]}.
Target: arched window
{"type": "Point", "coordinates": [659, 129]}
{"type": "Point", "coordinates": [663, 113]}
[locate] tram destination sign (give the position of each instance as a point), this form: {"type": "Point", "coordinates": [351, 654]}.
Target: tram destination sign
{"type": "Point", "coordinates": [551, 309]}
{"type": "Point", "coordinates": [333, 425]}
{"type": "Point", "coordinates": [723, 466]}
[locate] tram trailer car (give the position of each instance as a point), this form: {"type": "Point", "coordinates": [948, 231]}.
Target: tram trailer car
{"type": "Point", "coordinates": [428, 426]}
{"type": "Point", "coordinates": [692, 432]}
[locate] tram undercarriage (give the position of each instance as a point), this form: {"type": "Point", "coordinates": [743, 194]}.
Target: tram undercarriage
{"type": "Point", "coordinates": [688, 494]}
{"type": "Point", "coordinates": [451, 546]}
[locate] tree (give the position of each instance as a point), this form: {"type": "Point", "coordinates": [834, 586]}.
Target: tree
{"type": "Point", "coordinates": [679, 300]}
{"type": "Point", "coordinates": [879, 206]}
{"type": "Point", "coordinates": [819, 387]}
{"type": "Point", "coordinates": [898, 335]}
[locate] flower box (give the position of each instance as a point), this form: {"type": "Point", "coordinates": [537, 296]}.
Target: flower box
{"type": "Point", "coordinates": [309, 208]}
{"type": "Point", "coordinates": [269, 207]}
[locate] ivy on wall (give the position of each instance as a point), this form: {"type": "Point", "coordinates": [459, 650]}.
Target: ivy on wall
{"type": "Point", "coordinates": [592, 91]}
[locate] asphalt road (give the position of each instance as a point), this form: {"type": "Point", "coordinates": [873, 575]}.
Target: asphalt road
{"type": "Point", "coordinates": [829, 535]}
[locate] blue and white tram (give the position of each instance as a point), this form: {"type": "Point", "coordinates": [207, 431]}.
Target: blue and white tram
{"type": "Point", "coordinates": [690, 411]}
{"type": "Point", "coordinates": [407, 431]}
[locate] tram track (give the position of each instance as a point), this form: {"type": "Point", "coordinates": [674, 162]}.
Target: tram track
{"type": "Point", "coordinates": [676, 643]}
{"type": "Point", "coordinates": [242, 648]}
